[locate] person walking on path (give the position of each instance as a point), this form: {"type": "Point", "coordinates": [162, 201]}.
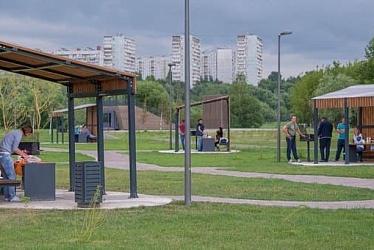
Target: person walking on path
{"type": "Point", "coordinates": [199, 134]}
{"type": "Point", "coordinates": [182, 131]}
{"type": "Point", "coordinates": [290, 130]}
{"type": "Point", "coordinates": [8, 146]}
{"type": "Point", "coordinates": [340, 129]}
{"type": "Point", "coordinates": [325, 134]}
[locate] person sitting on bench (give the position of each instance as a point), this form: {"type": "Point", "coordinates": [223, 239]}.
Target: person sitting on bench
{"type": "Point", "coordinates": [359, 141]}
{"type": "Point", "coordinates": [219, 135]}
{"type": "Point", "coordinates": [88, 133]}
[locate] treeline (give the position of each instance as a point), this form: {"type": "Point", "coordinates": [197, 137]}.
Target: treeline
{"type": "Point", "coordinates": [30, 100]}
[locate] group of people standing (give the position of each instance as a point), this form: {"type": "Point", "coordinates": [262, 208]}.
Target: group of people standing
{"type": "Point", "coordinates": [324, 133]}
{"type": "Point", "coordinates": [200, 127]}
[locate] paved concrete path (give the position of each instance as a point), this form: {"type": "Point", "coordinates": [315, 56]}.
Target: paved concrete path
{"type": "Point", "coordinates": [118, 160]}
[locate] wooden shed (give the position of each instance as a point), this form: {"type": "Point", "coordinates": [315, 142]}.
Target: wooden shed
{"type": "Point", "coordinates": [358, 96]}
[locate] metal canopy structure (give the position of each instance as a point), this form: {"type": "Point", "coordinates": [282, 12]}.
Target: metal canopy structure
{"type": "Point", "coordinates": [358, 96]}
{"type": "Point", "coordinates": [81, 80]}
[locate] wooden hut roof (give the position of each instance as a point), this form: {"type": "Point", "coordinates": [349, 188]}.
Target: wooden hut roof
{"type": "Point", "coordinates": [81, 76]}
{"type": "Point", "coordinates": [356, 96]}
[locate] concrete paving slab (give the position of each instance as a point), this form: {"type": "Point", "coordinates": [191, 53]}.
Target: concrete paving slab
{"type": "Point", "coordinates": [65, 201]}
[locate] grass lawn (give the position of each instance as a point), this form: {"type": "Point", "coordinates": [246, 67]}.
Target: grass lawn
{"type": "Point", "coordinates": [201, 225]}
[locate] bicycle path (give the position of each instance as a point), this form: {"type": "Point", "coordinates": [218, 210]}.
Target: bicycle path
{"type": "Point", "coordinates": [118, 160]}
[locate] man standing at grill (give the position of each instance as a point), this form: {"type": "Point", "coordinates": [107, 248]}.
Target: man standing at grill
{"type": "Point", "coordinates": [325, 134]}
{"type": "Point", "coordinates": [291, 129]}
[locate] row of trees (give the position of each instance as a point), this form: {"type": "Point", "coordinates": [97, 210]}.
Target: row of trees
{"type": "Point", "coordinates": [25, 99]}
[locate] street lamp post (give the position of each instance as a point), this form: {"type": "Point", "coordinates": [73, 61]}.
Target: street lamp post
{"type": "Point", "coordinates": [170, 107]}
{"type": "Point", "coordinates": [284, 33]}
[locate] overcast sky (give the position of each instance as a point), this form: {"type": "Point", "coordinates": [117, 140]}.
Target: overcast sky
{"type": "Point", "coordinates": [323, 30]}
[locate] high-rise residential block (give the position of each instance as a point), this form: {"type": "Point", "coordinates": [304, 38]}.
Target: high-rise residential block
{"type": "Point", "coordinates": [178, 58]}
{"type": "Point", "coordinates": [225, 65]}
{"type": "Point", "coordinates": [153, 66]}
{"type": "Point", "coordinates": [249, 60]}
{"type": "Point", "coordinates": [87, 55]}
{"type": "Point", "coordinates": [119, 52]}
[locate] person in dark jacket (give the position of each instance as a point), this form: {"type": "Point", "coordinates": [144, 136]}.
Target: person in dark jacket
{"type": "Point", "coordinates": [219, 135]}
{"type": "Point", "coordinates": [325, 129]}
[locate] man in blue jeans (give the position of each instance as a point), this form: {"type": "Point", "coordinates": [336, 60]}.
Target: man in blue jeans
{"type": "Point", "coordinates": [199, 134]}
{"type": "Point", "coordinates": [340, 129]}
{"type": "Point", "coordinates": [291, 129]}
{"type": "Point", "coordinates": [8, 146]}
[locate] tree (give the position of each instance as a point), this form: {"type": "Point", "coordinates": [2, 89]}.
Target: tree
{"type": "Point", "coordinates": [330, 83]}
{"type": "Point", "coordinates": [369, 50]}
{"type": "Point", "coordinates": [28, 100]}
{"type": "Point", "coordinates": [42, 103]}
{"type": "Point", "coordinates": [154, 96]}
{"type": "Point", "coordinates": [245, 109]}
{"type": "Point", "coordinates": [301, 94]}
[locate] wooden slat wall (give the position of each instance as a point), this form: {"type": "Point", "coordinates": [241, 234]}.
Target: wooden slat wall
{"type": "Point", "coordinates": [83, 87]}
{"type": "Point", "coordinates": [367, 119]}
{"type": "Point", "coordinates": [106, 85]}
{"type": "Point", "coordinates": [215, 113]}
{"type": "Point", "coordinates": [91, 119]}
{"type": "Point", "coordinates": [339, 102]}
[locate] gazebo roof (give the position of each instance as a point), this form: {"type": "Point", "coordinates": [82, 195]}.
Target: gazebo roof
{"type": "Point", "coordinates": [82, 77]}
{"type": "Point", "coordinates": [356, 96]}
{"type": "Point", "coordinates": [60, 112]}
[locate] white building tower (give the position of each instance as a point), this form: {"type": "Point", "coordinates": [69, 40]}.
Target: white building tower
{"type": "Point", "coordinates": [87, 55]}
{"type": "Point", "coordinates": [119, 52]}
{"type": "Point", "coordinates": [178, 58]}
{"type": "Point", "coordinates": [249, 58]}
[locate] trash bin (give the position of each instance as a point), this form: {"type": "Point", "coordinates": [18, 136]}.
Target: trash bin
{"type": "Point", "coordinates": [88, 190]}
{"type": "Point", "coordinates": [39, 181]}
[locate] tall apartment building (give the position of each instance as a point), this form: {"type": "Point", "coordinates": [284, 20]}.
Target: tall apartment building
{"type": "Point", "coordinates": [119, 52]}
{"type": "Point", "coordinates": [178, 58]}
{"type": "Point", "coordinates": [249, 58]}
{"type": "Point", "coordinates": [209, 65]}
{"type": "Point", "coordinates": [218, 65]}
{"type": "Point", "coordinates": [153, 66]}
{"type": "Point", "coordinates": [225, 65]}
{"type": "Point", "coordinates": [87, 55]}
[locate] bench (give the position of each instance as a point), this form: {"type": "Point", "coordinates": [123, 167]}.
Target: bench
{"type": "Point", "coordinates": [5, 183]}
{"type": "Point", "coordinates": [367, 155]}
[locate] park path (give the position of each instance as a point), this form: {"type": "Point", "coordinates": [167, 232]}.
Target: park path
{"type": "Point", "coordinates": [118, 160]}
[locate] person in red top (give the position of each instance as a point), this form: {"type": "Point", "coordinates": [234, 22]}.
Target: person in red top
{"type": "Point", "coordinates": [182, 130]}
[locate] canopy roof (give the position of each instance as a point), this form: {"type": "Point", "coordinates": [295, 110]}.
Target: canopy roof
{"type": "Point", "coordinates": [62, 70]}
{"type": "Point", "coordinates": [60, 112]}
{"type": "Point", "coordinates": [356, 96]}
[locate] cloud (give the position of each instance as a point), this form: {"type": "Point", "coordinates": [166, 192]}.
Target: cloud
{"type": "Point", "coordinates": [323, 31]}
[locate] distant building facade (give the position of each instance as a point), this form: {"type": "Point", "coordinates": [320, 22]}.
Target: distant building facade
{"type": "Point", "coordinates": [225, 65]}
{"type": "Point", "coordinates": [119, 53]}
{"type": "Point", "coordinates": [178, 59]}
{"type": "Point", "coordinates": [222, 64]}
{"type": "Point", "coordinates": [249, 58]}
{"type": "Point", "coordinates": [87, 55]}
{"type": "Point", "coordinates": [153, 66]}
{"type": "Point", "coordinates": [209, 65]}
{"type": "Point", "coordinates": [218, 65]}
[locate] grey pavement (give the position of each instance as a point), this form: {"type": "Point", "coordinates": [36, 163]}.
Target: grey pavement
{"type": "Point", "coordinates": [119, 160]}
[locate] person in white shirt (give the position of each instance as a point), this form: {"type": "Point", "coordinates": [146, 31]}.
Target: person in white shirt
{"type": "Point", "coordinates": [360, 143]}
